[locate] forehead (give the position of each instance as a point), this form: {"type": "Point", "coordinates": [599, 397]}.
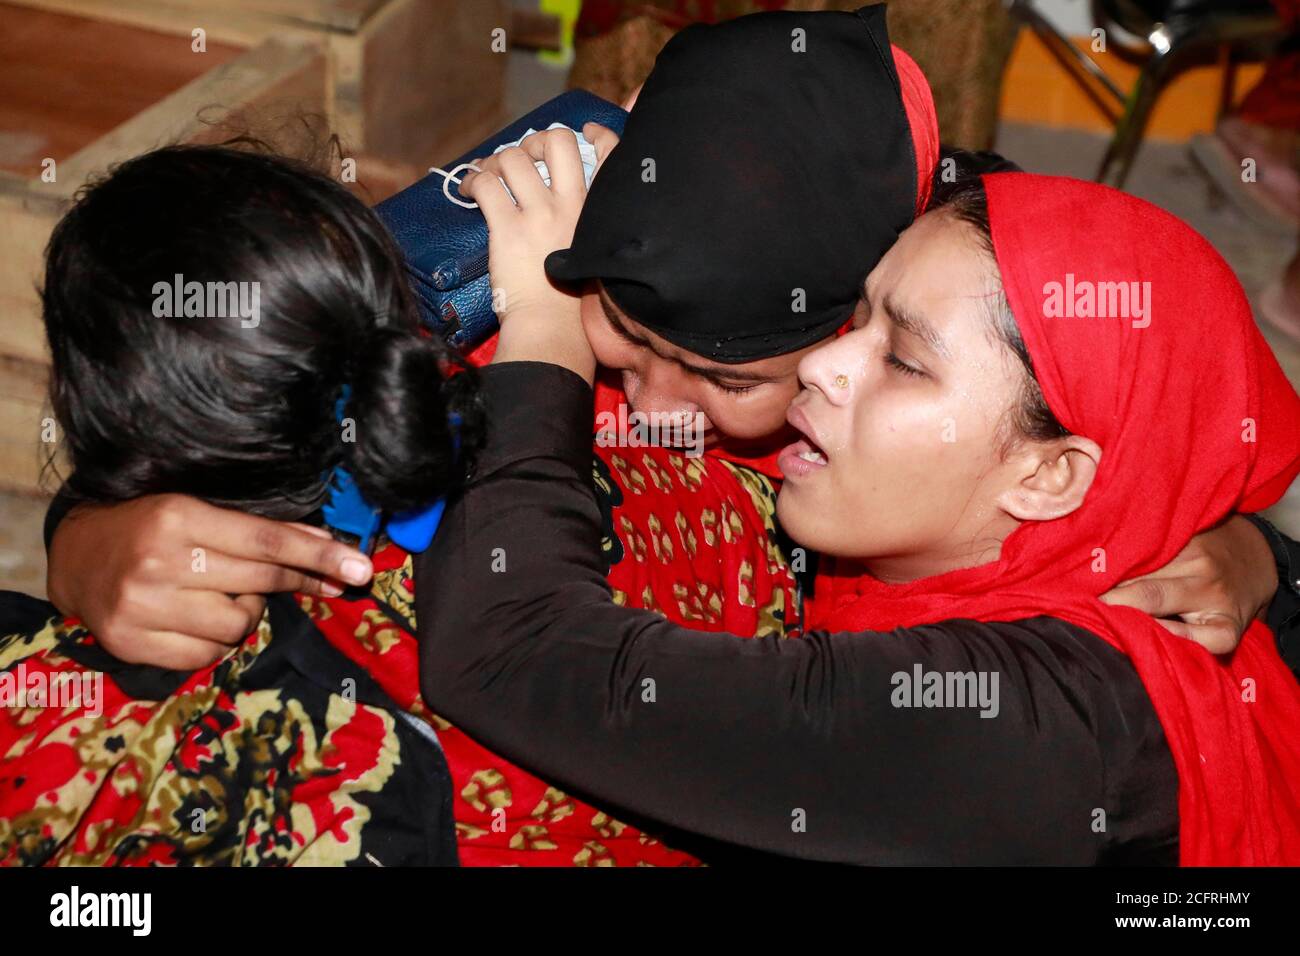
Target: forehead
{"type": "Point", "coordinates": [936, 268]}
{"type": "Point", "coordinates": [775, 366]}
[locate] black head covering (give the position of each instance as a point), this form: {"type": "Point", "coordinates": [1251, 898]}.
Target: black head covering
{"type": "Point", "coordinates": [773, 171]}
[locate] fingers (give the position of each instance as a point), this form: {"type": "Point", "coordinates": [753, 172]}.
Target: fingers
{"type": "Point", "coordinates": [254, 605]}
{"type": "Point", "coordinates": [161, 648]}
{"type": "Point", "coordinates": [1217, 637]}
{"type": "Point", "coordinates": [310, 529]}
{"type": "Point", "coordinates": [1166, 599]}
{"type": "Point", "coordinates": [229, 575]}
{"type": "Point", "coordinates": [489, 192]}
{"type": "Point", "coordinates": [208, 616]}
{"type": "Point", "coordinates": [253, 538]}
{"type": "Point", "coordinates": [559, 150]}
{"type": "Point", "coordinates": [220, 618]}
{"type": "Point", "coordinates": [310, 583]}
{"type": "Point", "coordinates": [523, 178]}
{"type": "Point", "coordinates": [602, 137]}
{"type": "Point", "coordinates": [169, 650]}
{"type": "Point", "coordinates": [1159, 597]}
{"type": "Point", "coordinates": [1175, 626]}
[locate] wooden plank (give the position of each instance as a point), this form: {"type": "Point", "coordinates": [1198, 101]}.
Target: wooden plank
{"type": "Point", "coordinates": [422, 77]}
{"type": "Point", "coordinates": [346, 16]}
{"type": "Point", "coordinates": [272, 71]}
{"type": "Point", "coordinates": [28, 217]}
{"type": "Point", "coordinates": [28, 220]}
{"type": "Point", "coordinates": [22, 380]}
{"type": "Point", "coordinates": [264, 91]}
{"type": "Point", "coordinates": [50, 111]}
{"type": "Point", "coordinates": [23, 414]}
{"type": "Point", "coordinates": [245, 22]}
{"type": "Point", "coordinates": [223, 26]}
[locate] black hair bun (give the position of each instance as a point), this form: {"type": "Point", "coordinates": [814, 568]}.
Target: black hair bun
{"type": "Point", "coordinates": [418, 420]}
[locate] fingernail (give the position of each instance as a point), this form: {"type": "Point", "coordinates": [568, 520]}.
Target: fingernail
{"type": "Point", "coordinates": [330, 589]}
{"type": "Point", "coordinates": [355, 570]}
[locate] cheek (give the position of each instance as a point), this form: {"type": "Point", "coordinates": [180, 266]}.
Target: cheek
{"type": "Point", "coordinates": [930, 449]}
{"type": "Point", "coordinates": [748, 417]}
{"type": "Point", "coordinates": [908, 472]}
{"type": "Point", "coordinates": [611, 350]}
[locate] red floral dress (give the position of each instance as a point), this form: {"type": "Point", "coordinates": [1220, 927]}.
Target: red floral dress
{"type": "Point", "coordinates": [690, 538]}
{"type": "Point", "coordinates": [293, 749]}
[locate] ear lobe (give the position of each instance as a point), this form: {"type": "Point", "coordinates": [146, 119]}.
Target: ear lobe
{"type": "Point", "coordinates": [1055, 478]}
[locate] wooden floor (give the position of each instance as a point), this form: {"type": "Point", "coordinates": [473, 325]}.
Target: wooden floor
{"type": "Point", "coordinates": [65, 81]}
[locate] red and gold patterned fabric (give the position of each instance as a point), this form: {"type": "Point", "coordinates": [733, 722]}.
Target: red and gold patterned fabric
{"type": "Point", "coordinates": [285, 752]}
{"type": "Point", "coordinates": [280, 753]}
{"type": "Point", "coordinates": [690, 538]}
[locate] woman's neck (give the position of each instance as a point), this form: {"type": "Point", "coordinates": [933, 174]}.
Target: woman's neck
{"type": "Point", "coordinates": [906, 568]}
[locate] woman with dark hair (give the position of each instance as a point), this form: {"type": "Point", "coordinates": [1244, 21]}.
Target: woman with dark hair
{"type": "Point", "coordinates": [162, 386]}
{"type": "Point", "coordinates": [234, 326]}
{"type": "Point", "coordinates": [702, 286]}
{"type": "Point", "coordinates": [991, 453]}
{"type": "Point", "coordinates": [718, 261]}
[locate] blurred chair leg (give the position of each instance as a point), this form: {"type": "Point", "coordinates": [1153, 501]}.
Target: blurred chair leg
{"type": "Point", "coordinates": [1228, 86]}
{"type": "Point", "coordinates": [1126, 142]}
{"type": "Point", "coordinates": [1067, 54]}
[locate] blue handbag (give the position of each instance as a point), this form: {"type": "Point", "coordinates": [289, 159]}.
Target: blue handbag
{"type": "Point", "coordinates": [446, 244]}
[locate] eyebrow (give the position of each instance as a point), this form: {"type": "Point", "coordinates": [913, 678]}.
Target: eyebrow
{"type": "Point", "coordinates": [712, 374]}
{"type": "Point", "coordinates": [909, 321]}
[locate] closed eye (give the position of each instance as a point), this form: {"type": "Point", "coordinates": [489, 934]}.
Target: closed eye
{"type": "Point", "coordinates": [732, 389]}
{"type": "Point", "coordinates": [893, 361]}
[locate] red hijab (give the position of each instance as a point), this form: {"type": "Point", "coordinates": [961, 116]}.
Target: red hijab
{"type": "Point", "coordinates": [1195, 420]}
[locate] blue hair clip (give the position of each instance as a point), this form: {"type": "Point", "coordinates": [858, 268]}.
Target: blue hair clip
{"type": "Point", "coordinates": [348, 511]}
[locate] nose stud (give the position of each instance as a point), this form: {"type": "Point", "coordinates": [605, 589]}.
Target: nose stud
{"type": "Point", "coordinates": [841, 381]}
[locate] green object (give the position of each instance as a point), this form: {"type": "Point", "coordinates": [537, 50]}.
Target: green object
{"type": "Point", "coordinates": [567, 11]}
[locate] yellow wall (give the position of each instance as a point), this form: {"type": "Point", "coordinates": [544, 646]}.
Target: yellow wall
{"type": "Point", "coordinates": [1037, 89]}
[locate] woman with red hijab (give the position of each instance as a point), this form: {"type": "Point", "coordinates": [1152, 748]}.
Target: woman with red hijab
{"type": "Point", "coordinates": [790, 149]}
{"type": "Point", "coordinates": [1025, 412]}
{"type": "Point", "coordinates": [715, 242]}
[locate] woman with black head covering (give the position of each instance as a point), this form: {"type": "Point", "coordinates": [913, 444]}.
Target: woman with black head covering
{"type": "Point", "coordinates": [729, 577]}
{"type": "Point", "coordinates": [968, 696]}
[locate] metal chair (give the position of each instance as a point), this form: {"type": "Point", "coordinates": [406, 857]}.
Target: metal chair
{"type": "Point", "coordinates": [1173, 28]}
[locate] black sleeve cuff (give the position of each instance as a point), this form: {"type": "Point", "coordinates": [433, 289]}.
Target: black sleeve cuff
{"type": "Point", "coordinates": [535, 410]}
{"type": "Point", "coordinates": [1283, 615]}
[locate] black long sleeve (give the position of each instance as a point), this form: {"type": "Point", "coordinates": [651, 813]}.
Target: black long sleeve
{"type": "Point", "coordinates": [788, 746]}
{"type": "Point", "coordinates": [1283, 614]}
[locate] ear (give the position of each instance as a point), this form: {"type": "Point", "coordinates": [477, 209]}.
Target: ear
{"type": "Point", "coordinates": [1051, 478]}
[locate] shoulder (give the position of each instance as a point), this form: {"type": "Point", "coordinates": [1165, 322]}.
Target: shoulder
{"type": "Point", "coordinates": [1059, 672]}
{"type": "Point", "coordinates": [1043, 657]}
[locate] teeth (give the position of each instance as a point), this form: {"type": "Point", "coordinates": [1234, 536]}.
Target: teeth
{"type": "Point", "coordinates": [814, 456]}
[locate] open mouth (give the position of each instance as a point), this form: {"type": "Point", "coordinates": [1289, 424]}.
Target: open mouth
{"type": "Point", "coordinates": [807, 451]}
{"type": "Point", "coordinates": [805, 455]}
